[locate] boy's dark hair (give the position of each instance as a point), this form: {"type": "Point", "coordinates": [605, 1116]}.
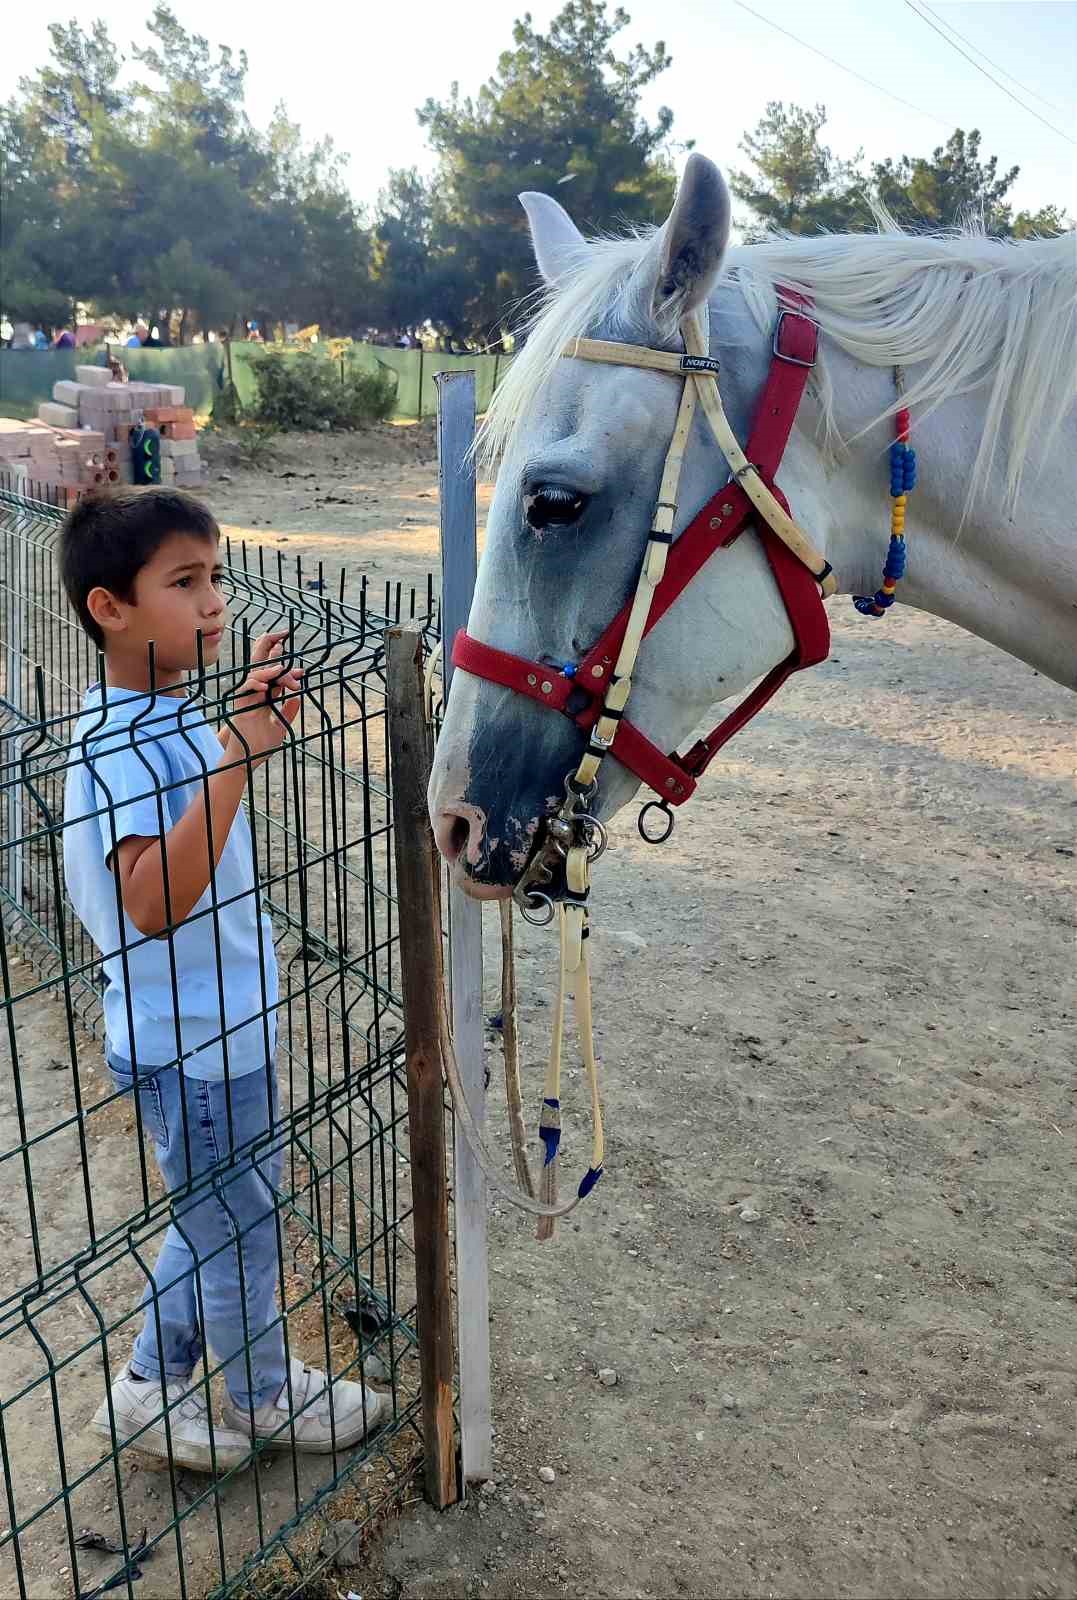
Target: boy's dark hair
{"type": "Point", "coordinates": [111, 534]}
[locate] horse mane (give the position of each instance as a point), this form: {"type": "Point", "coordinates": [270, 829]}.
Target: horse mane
{"type": "Point", "coordinates": [973, 311]}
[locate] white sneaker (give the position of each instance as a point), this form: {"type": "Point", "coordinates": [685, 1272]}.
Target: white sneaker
{"type": "Point", "coordinates": [355, 1411]}
{"type": "Point", "coordinates": [137, 1409]}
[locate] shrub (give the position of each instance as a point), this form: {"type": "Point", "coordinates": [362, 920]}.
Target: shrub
{"type": "Point", "coordinates": [308, 389]}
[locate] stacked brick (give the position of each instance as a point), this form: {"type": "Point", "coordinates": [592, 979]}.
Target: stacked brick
{"type": "Point", "coordinates": [56, 464]}
{"type": "Point", "coordinates": [82, 436]}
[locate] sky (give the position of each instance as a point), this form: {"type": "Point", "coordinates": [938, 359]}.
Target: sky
{"type": "Point", "coordinates": [358, 72]}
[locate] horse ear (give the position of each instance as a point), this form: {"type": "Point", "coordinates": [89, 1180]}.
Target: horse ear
{"type": "Point", "coordinates": [693, 243]}
{"type": "Point", "coordinates": [555, 238]}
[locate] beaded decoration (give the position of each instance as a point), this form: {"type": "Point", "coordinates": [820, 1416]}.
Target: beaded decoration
{"type": "Point", "coordinates": [902, 483]}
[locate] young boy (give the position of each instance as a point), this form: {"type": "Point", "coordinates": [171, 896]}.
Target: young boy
{"type": "Point", "coordinates": [159, 867]}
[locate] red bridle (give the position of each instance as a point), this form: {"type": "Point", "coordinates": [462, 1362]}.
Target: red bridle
{"type": "Point", "coordinates": [721, 521]}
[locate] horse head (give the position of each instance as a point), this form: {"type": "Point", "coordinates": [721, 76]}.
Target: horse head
{"type": "Point", "coordinates": [581, 450]}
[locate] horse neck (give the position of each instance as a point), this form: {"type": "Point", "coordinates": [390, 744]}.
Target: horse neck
{"type": "Point", "coordinates": [1010, 579]}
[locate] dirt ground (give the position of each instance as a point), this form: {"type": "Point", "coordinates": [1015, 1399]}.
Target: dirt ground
{"type": "Point", "coordinates": [367, 504]}
{"type": "Point", "coordinates": [832, 1261]}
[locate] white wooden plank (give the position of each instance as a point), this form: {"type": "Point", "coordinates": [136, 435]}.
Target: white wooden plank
{"type": "Point", "coordinates": [459, 557]}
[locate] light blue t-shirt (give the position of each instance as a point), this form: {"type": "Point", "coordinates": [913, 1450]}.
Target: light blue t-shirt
{"type": "Point", "coordinates": [135, 767]}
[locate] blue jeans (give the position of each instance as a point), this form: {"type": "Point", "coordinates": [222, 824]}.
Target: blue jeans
{"type": "Point", "coordinates": [199, 1260]}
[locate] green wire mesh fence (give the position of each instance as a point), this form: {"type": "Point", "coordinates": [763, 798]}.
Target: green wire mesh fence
{"type": "Point", "coordinates": [83, 1210]}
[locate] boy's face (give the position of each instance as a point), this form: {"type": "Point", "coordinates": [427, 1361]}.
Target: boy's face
{"type": "Point", "coordinates": [176, 595]}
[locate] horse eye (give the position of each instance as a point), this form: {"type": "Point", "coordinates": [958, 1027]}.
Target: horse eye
{"type": "Point", "coordinates": [552, 506]}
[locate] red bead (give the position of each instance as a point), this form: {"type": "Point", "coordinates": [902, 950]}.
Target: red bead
{"type": "Point", "coordinates": [901, 423]}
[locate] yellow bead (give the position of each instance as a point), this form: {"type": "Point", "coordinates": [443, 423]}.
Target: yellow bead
{"type": "Point", "coordinates": [899, 500]}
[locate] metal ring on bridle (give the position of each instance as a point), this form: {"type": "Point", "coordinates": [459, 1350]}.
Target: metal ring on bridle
{"type": "Point", "coordinates": [537, 909]}
{"type": "Point", "coordinates": [655, 838]}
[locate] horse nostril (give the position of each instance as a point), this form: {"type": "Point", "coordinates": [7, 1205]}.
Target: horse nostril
{"type": "Point", "coordinates": [458, 832]}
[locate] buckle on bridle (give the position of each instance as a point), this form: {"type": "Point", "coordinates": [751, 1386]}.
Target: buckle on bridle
{"type": "Point", "coordinates": [780, 355]}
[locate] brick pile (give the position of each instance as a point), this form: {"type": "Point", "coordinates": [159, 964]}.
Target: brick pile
{"type": "Point", "coordinates": [56, 464]}
{"type": "Point", "coordinates": [82, 436]}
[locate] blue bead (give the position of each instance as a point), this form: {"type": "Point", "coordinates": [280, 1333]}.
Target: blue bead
{"type": "Point", "coordinates": [569, 669]}
{"type": "Point", "coordinates": [896, 557]}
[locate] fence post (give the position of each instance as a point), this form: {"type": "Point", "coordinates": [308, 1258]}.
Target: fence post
{"type": "Point", "coordinates": [419, 398]}
{"type": "Point", "coordinates": [418, 878]}
{"type": "Point", "coordinates": [459, 559]}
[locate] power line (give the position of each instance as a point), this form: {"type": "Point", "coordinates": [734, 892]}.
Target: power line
{"type": "Point", "coordinates": [842, 68]}
{"type": "Point", "coordinates": [988, 75]}
{"type": "Point", "coordinates": [1022, 86]}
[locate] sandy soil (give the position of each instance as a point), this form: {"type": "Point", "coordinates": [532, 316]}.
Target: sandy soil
{"type": "Point", "coordinates": [366, 504]}
{"type": "Point", "coordinates": [839, 1000]}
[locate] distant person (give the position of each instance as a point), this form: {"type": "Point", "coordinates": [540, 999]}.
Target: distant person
{"type": "Point", "coordinates": [41, 341]}
{"type": "Point", "coordinates": [65, 340]}
{"type": "Point", "coordinates": [139, 337]}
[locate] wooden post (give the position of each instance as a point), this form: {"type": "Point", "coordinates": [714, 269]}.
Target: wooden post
{"type": "Point", "coordinates": [418, 880]}
{"type": "Point", "coordinates": [456, 484]}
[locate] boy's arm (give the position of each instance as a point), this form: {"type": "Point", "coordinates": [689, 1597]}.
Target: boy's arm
{"type": "Point", "coordinates": [140, 863]}
{"type": "Point", "coordinates": [182, 858]}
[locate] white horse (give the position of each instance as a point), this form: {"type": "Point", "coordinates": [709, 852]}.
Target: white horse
{"type": "Point", "coordinates": [984, 331]}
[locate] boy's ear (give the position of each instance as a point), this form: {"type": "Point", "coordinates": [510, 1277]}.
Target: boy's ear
{"type": "Point", "coordinates": [108, 612]}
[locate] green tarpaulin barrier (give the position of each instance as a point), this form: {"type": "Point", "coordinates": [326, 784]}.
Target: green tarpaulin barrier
{"type": "Point", "coordinates": [27, 376]}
